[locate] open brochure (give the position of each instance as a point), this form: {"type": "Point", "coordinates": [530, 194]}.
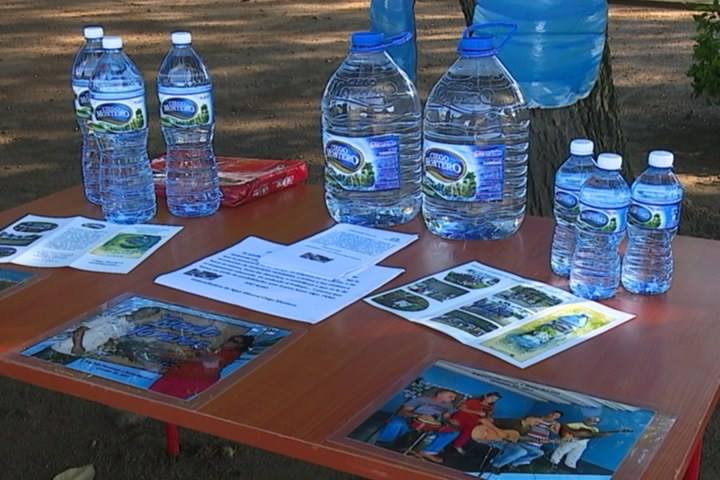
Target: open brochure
{"type": "Point", "coordinates": [82, 243]}
{"type": "Point", "coordinates": [513, 318]}
{"type": "Point", "coordinates": [236, 276]}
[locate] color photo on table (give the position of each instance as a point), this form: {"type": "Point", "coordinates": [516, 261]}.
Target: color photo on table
{"type": "Point", "coordinates": [11, 279]}
{"type": "Point", "coordinates": [496, 427]}
{"type": "Point", "coordinates": [157, 346]}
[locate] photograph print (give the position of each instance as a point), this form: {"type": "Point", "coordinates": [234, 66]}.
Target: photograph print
{"type": "Point", "coordinates": [490, 426]}
{"type": "Point", "coordinates": [156, 346]}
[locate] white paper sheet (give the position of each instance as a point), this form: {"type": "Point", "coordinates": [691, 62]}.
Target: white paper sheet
{"type": "Point", "coordinates": [339, 251]}
{"type": "Point", "coordinates": [236, 276]}
{"type": "Point", "coordinates": [519, 320]}
{"type": "Point", "coordinates": [82, 243]}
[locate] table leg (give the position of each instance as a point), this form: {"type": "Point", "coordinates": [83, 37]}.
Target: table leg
{"type": "Point", "coordinates": [693, 470]}
{"type": "Point", "coordinates": [172, 440]}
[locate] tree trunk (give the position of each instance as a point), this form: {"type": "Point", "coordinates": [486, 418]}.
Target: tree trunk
{"type": "Point", "coordinates": [595, 117]}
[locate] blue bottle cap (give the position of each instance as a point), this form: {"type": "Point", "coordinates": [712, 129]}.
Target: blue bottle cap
{"type": "Point", "coordinates": [367, 42]}
{"type": "Point", "coordinates": [477, 46]}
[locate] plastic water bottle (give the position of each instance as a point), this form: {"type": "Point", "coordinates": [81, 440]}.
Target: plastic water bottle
{"type": "Point", "coordinates": [569, 178]}
{"type": "Point", "coordinates": [82, 70]}
{"type": "Point", "coordinates": [476, 144]}
{"type": "Point", "coordinates": [601, 224]}
{"type": "Point", "coordinates": [117, 96]}
{"type": "Point", "coordinates": [371, 127]}
{"type": "Point", "coordinates": [652, 224]}
{"type": "Point", "coordinates": [187, 119]}
{"type": "Point", "coordinates": [393, 17]}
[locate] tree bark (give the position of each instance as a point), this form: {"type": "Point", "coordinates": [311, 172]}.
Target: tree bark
{"type": "Point", "coordinates": [595, 117]}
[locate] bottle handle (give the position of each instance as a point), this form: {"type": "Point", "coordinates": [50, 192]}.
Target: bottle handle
{"type": "Point", "coordinates": [476, 27]}
{"type": "Point", "coordinates": [398, 39]}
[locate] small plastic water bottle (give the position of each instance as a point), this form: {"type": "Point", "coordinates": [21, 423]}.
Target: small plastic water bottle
{"type": "Point", "coordinates": [187, 120]}
{"type": "Point", "coordinates": [82, 70]}
{"type": "Point", "coordinates": [371, 131]}
{"type": "Point", "coordinates": [652, 224]}
{"type": "Point", "coordinates": [601, 224]}
{"type": "Point", "coordinates": [569, 178]}
{"type": "Point", "coordinates": [476, 134]}
{"type": "Point", "coordinates": [117, 96]}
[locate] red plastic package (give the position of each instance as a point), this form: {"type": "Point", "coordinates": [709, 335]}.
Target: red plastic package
{"type": "Point", "coordinates": [245, 179]}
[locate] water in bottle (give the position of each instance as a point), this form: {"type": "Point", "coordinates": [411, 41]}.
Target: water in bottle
{"type": "Point", "coordinates": [476, 134]}
{"type": "Point", "coordinates": [371, 127]}
{"type": "Point", "coordinates": [601, 224]}
{"type": "Point", "coordinates": [82, 70]}
{"type": "Point", "coordinates": [187, 120]}
{"type": "Point", "coordinates": [117, 96]}
{"type": "Point", "coordinates": [652, 224]}
{"type": "Point", "coordinates": [569, 178]}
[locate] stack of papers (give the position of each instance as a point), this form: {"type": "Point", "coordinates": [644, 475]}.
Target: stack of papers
{"type": "Point", "coordinates": [237, 276]}
{"type": "Point", "coordinates": [82, 243]}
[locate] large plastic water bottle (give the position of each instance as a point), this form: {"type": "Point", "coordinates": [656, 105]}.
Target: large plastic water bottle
{"type": "Point", "coordinates": [82, 70]}
{"type": "Point", "coordinates": [601, 224]}
{"type": "Point", "coordinates": [393, 17]}
{"type": "Point", "coordinates": [371, 127]}
{"type": "Point", "coordinates": [476, 144]}
{"type": "Point", "coordinates": [187, 119]}
{"type": "Point", "coordinates": [117, 96]}
{"type": "Point", "coordinates": [652, 224]}
{"type": "Point", "coordinates": [568, 179]}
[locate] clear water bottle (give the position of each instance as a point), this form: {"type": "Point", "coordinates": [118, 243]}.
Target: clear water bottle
{"type": "Point", "coordinates": [601, 224]}
{"type": "Point", "coordinates": [371, 128]}
{"type": "Point", "coordinates": [83, 67]}
{"type": "Point", "coordinates": [117, 96]}
{"type": "Point", "coordinates": [187, 119]}
{"type": "Point", "coordinates": [652, 224]}
{"type": "Point", "coordinates": [476, 134]}
{"type": "Point", "coordinates": [568, 179]}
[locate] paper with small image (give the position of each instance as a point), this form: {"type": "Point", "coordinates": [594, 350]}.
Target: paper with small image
{"type": "Point", "coordinates": [236, 276]}
{"type": "Point", "coordinates": [340, 251]}
{"type": "Point", "coordinates": [82, 243]}
{"type": "Point", "coordinates": [513, 318]}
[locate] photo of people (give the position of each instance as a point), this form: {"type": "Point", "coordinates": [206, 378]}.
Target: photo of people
{"type": "Point", "coordinates": [530, 297]}
{"type": "Point", "coordinates": [161, 347]}
{"type": "Point", "coordinates": [437, 290]}
{"type": "Point", "coordinates": [496, 427]}
{"type": "Point", "coordinates": [497, 310]}
{"type": "Point", "coordinates": [464, 321]}
{"type": "Point", "coordinates": [471, 278]}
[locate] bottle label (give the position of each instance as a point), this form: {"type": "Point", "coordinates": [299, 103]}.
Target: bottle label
{"type": "Point", "coordinates": [464, 173]}
{"type": "Point", "coordinates": [186, 107]}
{"type": "Point", "coordinates": [118, 114]}
{"type": "Point", "coordinates": [363, 164]}
{"type": "Point", "coordinates": [83, 109]}
{"type": "Point", "coordinates": [654, 216]}
{"type": "Point", "coordinates": [605, 220]}
{"type": "Point", "coordinates": [567, 202]}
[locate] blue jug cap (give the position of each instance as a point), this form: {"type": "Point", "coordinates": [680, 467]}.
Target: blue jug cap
{"type": "Point", "coordinates": [368, 42]}
{"type": "Point", "coordinates": [474, 44]}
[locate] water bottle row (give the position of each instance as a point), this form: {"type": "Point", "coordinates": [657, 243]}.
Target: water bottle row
{"type": "Point", "coordinates": [111, 113]}
{"type": "Point", "coordinates": [464, 163]}
{"type": "Point", "coordinates": [594, 207]}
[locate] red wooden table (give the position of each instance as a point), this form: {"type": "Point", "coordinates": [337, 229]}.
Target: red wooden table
{"type": "Point", "coordinates": [665, 359]}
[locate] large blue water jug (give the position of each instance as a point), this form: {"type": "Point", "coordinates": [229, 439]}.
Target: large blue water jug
{"type": "Point", "coordinates": [556, 53]}
{"type": "Point", "coordinates": [393, 17]}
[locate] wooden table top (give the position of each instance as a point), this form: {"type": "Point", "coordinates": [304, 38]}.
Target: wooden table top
{"type": "Point", "coordinates": [665, 359]}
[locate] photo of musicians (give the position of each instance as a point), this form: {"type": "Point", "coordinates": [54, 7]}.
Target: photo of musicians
{"type": "Point", "coordinates": [493, 427]}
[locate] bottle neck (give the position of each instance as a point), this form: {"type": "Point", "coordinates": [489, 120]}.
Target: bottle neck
{"type": "Point", "coordinates": [94, 42]}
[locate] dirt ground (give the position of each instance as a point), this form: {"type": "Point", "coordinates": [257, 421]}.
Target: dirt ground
{"type": "Point", "coordinates": [270, 60]}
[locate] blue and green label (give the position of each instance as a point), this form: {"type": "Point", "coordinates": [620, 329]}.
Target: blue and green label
{"type": "Point", "coordinates": [186, 107]}
{"type": "Point", "coordinates": [605, 220]}
{"type": "Point", "coordinates": [464, 173]}
{"type": "Point", "coordinates": [363, 164]}
{"type": "Point", "coordinates": [654, 216]}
